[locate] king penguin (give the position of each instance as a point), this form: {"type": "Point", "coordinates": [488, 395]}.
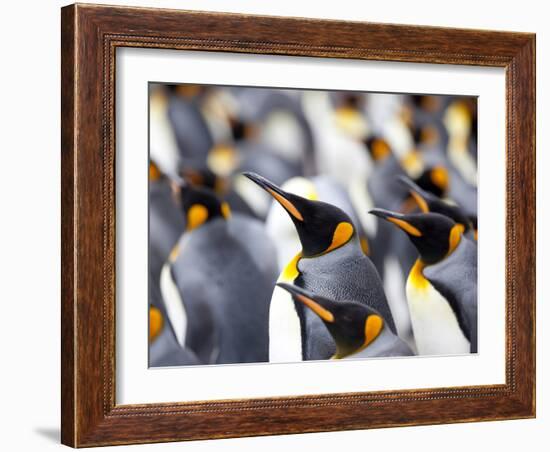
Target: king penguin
{"type": "Point", "coordinates": [332, 263]}
{"type": "Point", "coordinates": [358, 330]}
{"type": "Point", "coordinates": [442, 284]}
{"type": "Point", "coordinates": [218, 281]}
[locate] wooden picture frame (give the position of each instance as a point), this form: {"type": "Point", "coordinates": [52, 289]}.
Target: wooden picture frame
{"type": "Point", "coordinates": [90, 36]}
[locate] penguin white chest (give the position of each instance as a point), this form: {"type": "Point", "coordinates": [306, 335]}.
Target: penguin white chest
{"type": "Point", "coordinates": [435, 326]}
{"type": "Point", "coordinates": [285, 333]}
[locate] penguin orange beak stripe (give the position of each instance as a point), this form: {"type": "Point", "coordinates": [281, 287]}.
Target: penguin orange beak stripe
{"type": "Point", "coordinates": [416, 193]}
{"type": "Point", "coordinates": [277, 193]}
{"type": "Point", "coordinates": [422, 204]}
{"type": "Point", "coordinates": [325, 314]}
{"type": "Point", "coordinates": [399, 222]}
{"type": "Point", "coordinates": [301, 296]}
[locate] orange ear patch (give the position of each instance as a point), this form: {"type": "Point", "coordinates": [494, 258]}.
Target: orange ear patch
{"type": "Point", "coordinates": [373, 327]}
{"type": "Point", "coordinates": [440, 177]}
{"type": "Point", "coordinates": [380, 149]}
{"type": "Point", "coordinates": [454, 237]}
{"type": "Point", "coordinates": [196, 215]}
{"type": "Point", "coordinates": [342, 234]}
{"type": "Point", "coordinates": [156, 322]}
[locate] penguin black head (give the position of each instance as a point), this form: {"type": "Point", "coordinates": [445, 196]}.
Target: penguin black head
{"type": "Point", "coordinates": [378, 148]}
{"type": "Point", "coordinates": [352, 325]}
{"type": "Point", "coordinates": [434, 235]}
{"type": "Point", "coordinates": [428, 202]}
{"type": "Point", "coordinates": [434, 180]}
{"type": "Point", "coordinates": [201, 205]}
{"type": "Point", "coordinates": [321, 227]}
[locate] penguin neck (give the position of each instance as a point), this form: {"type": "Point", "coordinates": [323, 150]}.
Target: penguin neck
{"type": "Point", "coordinates": [352, 248]}
{"type": "Point", "coordinates": [416, 277]}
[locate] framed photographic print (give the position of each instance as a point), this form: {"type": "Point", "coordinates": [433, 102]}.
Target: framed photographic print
{"type": "Point", "coordinates": [281, 225]}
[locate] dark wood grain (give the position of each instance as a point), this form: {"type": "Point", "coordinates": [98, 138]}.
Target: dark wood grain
{"type": "Point", "coordinates": [90, 36]}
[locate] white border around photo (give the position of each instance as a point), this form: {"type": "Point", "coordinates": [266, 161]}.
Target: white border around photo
{"type": "Point", "coordinates": [135, 383]}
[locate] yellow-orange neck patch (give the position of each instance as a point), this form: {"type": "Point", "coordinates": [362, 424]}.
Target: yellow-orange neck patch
{"type": "Point", "coordinates": [365, 245]}
{"type": "Point", "coordinates": [226, 210]}
{"type": "Point", "coordinates": [196, 215]}
{"type": "Point", "coordinates": [342, 234]}
{"type": "Point", "coordinates": [291, 272]}
{"type": "Point", "coordinates": [455, 237]}
{"type": "Point", "coordinates": [416, 277]}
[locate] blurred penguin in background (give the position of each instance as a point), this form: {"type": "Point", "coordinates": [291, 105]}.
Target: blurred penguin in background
{"type": "Point", "coordinates": [273, 138]}
{"type": "Point", "coordinates": [164, 349]}
{"type": "Point", "coordinates": [392, 253]}
{"type": "Point", "coordinates": [190, 128]}
{"type": "Point", "coordinates": [218, 281]}
{"type": "Point", "coordinates": [339, 124]}
{"type": "Point", "coordinates": [166, 223]}
{"type": "Point", "coordinates": [332, 263]}
{"type": "Point", "coordinates": [163, 146]}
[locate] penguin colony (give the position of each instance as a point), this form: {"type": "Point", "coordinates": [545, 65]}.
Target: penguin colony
{"type": "Point", "coordinates": [290, 225]}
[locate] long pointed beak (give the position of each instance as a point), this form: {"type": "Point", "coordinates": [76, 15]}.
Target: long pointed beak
{"type": "Point", "coordinates": [280, 195]}
{"type": "Point", "coordinates": [416, 192]}
{"type": "Point", "coordinates": [307, 298]}
{"type": "Point", "coordinates": [398, 219]}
